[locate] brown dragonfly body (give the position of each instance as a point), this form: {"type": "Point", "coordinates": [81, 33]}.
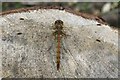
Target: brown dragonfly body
{"type": "Point", "coordinates": [58, 27]}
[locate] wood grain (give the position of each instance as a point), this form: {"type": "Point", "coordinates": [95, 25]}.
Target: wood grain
{"type": "Point", "coordinates": [29, 49]}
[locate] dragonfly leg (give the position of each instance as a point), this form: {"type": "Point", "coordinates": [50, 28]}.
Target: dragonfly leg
{"type": "Point", "coordinates": [65, 35]}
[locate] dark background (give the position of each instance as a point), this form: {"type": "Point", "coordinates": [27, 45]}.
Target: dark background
{"type": "Point", "coordinates": [109, 11]}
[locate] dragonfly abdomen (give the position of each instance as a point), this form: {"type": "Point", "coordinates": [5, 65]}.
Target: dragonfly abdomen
{"type": "Point", "coordinates": [58, 51]}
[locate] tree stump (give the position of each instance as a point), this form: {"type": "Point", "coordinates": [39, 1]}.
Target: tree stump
{"type": "Point", "coordinates": [28, 47]}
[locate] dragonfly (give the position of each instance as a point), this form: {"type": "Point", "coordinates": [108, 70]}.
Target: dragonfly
{"type": "Point", "coordinates": [58, 34]}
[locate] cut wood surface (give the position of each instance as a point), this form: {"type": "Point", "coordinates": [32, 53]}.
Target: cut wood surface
{"type": "Point", "coordinates": [28, 47]}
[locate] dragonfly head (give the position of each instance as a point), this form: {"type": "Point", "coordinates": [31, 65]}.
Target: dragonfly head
{"type": "Point", "coordinates": [58, 23]}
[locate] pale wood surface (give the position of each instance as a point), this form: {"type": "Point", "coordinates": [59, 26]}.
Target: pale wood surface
{"type": "Point", "coordinates": [29, 48]}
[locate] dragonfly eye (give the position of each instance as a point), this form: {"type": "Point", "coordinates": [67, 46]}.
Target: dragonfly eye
{"type": "Point", "coordinates": [58, 22]}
